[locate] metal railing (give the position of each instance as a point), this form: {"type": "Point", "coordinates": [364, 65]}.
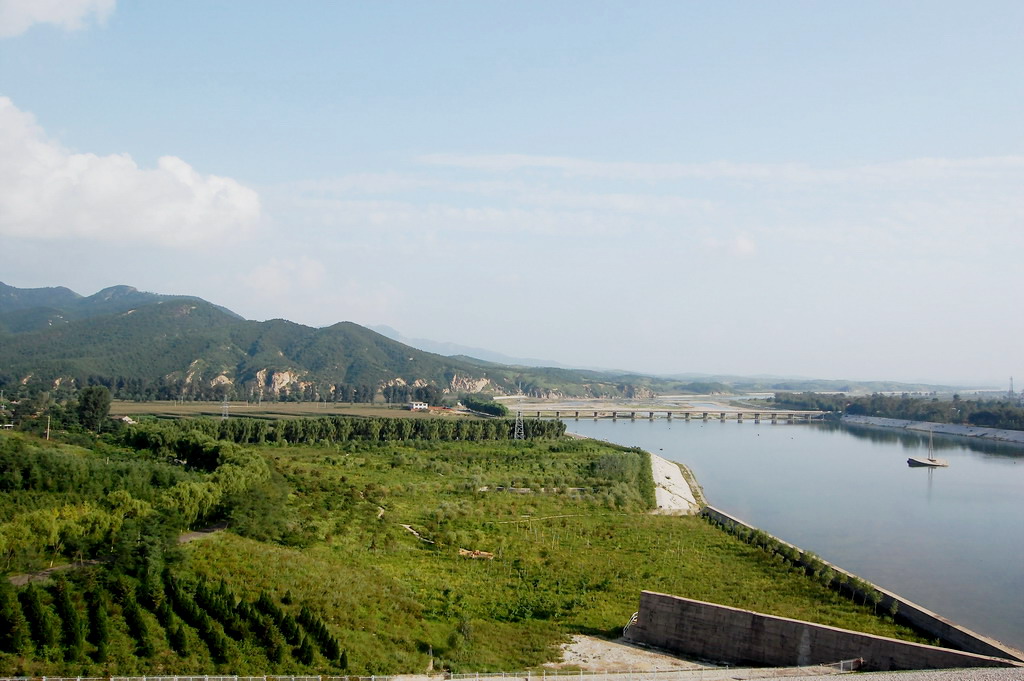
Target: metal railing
{"type": "Point", "coordinates": [708, 673]}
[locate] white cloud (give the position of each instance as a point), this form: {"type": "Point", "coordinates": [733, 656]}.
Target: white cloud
{"type": "Point", "coordinates": [915, 170]}
{"type": "Point", "coordinates": [48, 192]}
{"type": "Point", "coordinates": [739, 246]}
{"type": "Point", "coordinates": [284, 277]}
{"type": "Point", "coordinates": [309, 290]}
{"type": "Point", "coordinates": [17, 16]}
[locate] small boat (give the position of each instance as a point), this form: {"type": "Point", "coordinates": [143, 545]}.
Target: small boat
{"type": "Point", "coordinates": [930, 461]}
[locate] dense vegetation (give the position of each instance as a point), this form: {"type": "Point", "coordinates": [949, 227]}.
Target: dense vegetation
{"type": "Point", "coordinates": [1002, 413]}
{"type": "Point", "coordinates": [484, 404]}
{"type": "Point", "coordinates": [352, 554]}
{"type": "Point", "coordinates": [81, 504]}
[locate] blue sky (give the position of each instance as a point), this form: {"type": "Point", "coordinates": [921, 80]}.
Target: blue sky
{"type": "Point", "coordinates": [824, 189]}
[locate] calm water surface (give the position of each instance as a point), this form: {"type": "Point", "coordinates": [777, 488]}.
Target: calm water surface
{"type": "Point", "coordinates": [949, 539]}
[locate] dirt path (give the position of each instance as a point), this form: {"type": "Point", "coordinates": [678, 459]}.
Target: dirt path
{"type": "Point", "coordinates": [43, 575]}
{"type": "Point", "coordinates": [201, 534]}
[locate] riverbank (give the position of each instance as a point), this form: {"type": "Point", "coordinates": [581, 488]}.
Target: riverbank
{"type": "Point", "coordinates": [963, 523]}
{"type": "Point", "coordinates": [992, 434]}
{"type": "Point", "coordinates": [672, 492]}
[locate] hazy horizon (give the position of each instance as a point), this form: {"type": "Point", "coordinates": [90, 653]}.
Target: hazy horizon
{"type": "Point", "coordinates": [799, 189]}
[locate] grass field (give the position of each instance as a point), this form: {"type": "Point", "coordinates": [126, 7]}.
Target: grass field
{"type": "Point", "coordinates": [563, 561]}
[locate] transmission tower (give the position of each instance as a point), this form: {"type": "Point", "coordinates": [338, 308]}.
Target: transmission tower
{"type": "Point", "coordinates": [224, 407]}
{"type": "Point", "coordinates": [520, 432]}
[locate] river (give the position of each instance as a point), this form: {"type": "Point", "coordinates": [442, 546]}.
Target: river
{"type": "Point", "coordinates": [949, 539]}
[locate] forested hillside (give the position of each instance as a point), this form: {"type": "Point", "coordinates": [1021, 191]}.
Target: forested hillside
{"type": "Point", "coordinates": [145, 346]}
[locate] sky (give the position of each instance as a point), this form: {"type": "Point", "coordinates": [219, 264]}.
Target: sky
{"type": "Point", "coordinates": [824, 189]}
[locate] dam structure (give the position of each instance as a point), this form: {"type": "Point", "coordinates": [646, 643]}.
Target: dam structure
{"type": "Point", "coordinates": [712, 631]}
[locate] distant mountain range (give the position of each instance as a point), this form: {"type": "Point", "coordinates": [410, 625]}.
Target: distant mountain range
{"type": "Point", "coordinates": [454, 349]}
{"type": "Point", "coordinates": [151, 345]}
{"type": "Point", "coordinates": [148, 345]}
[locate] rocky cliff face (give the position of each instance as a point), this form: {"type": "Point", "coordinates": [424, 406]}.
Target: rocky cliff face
{"type": "Point", "coordinates": [635, 392]}
{"type": "Point", "coordinates": [466, 384]}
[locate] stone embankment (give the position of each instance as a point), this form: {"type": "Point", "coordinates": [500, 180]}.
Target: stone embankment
{"type": "Point", "coordinates": [672, 493]}
{"type": "Point", "coordinates": [993, 434]}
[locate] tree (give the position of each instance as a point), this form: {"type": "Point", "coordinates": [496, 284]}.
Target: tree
{"type": "Point", "coordinates": [14, 634]}
{"type": "Point", "coordinates": [93, 406]}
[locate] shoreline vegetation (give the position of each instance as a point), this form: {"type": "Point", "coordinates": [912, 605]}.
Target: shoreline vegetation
{"type": "Point", "coordinates": [513, 548]}
{"type": "Point", "coordinates": [977, 432]}
{"type": "Point", "coordinates": [1006, 413]}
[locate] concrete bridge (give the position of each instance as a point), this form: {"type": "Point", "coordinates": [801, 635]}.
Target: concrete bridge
{"type": "Point", "coordinates": [756, 415]}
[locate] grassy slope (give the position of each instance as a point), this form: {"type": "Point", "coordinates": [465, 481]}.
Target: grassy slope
{"type": "Point", "coordinates": [564, 562]}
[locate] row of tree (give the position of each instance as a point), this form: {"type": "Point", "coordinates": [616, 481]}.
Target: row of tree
{"type": "Point", "coordinates": [73, 623]}
{"type": "Point", "coordinates": [166, 388]}
{"type": "Point", "coordinates": [1003, 413]}
{"type": "Point", "coordinates": [176, 436]}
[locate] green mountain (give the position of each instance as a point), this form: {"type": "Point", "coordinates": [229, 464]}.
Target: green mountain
{"type": "Point", "coordinates": [146, 345]}
{"type": "Point", "coordinates": [34, 309]}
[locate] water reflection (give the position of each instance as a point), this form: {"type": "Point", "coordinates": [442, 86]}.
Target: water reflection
{"type": "Point", "coordinates": [916, 440]}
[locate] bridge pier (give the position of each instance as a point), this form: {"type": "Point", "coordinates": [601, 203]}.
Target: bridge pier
{"type": "Point", "coordinates": [757, 417]}
{"type": "Point", "coordinates": [668, 415]}
{"type": "Point", "coordinates": [721, 417]}
{"type": "Point", "coordinates": [775, 418]}
{"type": "Point", "coordinates": [705, 416]}
{"type": "Point", "coordinates": [577, 415]}
{"type": "Point", "coordinates": [632, 416]}
{"type": "Point", "coordinates": [651, 416]}
{"type": "Point", "coordinates": [615, 416]}
{"type": "Point", "coordinates": [556, 414]}
{"type": "Point", "coordinates": [687, 416]}
{"type": "Point", "coordinates": [739, 417]}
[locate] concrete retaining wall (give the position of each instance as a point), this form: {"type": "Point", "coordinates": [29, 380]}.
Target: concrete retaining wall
{"type": "Point", "coordinates": [924, 620]}
{"type": "Point", "coordinates": [724, 634]}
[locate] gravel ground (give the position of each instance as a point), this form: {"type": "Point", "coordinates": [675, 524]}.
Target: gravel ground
{"type": "Point", "coordinates": [627, 662]}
